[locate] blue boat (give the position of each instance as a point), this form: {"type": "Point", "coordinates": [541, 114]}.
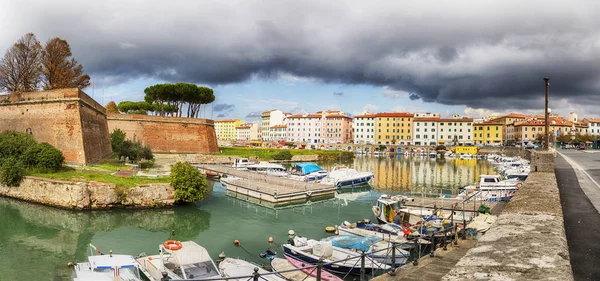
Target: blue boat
{"type": "Point", "coordinates": [373, 245]}
{"type": "Point", "coordinates": [308, 172]}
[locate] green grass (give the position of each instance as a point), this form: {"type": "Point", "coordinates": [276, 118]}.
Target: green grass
{"type": "Point", "coordinates": [269, 153]}
{"type": "Point", "coordinates": [67, 174]}
{"type": "Point", "coordinates": [101, 172]}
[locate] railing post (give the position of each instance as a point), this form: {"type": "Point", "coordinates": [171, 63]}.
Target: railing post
{"type": "Point", "coordinates": [256, 274]}
{"type": "Point", "coordinates": [362, 267]}
{"type": "Point", "coordinates": [432, 254]}
{"type": "Point", "coordinates": [319, 268]}
{"type": "Point", "coordinates": [393, 269]}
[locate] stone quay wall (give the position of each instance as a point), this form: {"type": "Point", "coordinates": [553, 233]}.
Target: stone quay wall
{"type": "Point", "coordinates": [68, 119]}
{"type": "Point", "coordinates": [528, 240]}
{"type": "Point", "coordinates": [89, 195]}
{"type": "Point", "coordinates": [168, 134]}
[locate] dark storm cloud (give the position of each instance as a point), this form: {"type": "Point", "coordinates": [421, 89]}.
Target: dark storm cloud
{"type": "Point", "coordinates": [338, 94]}
{"type": "Point", "coordinates": [223, 107]}
{"type": "Point", "coordinates": [221, 115]}
{"type": "Point", "coordinates": [483, 54]}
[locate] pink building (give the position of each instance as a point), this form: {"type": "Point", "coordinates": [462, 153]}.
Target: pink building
{"type": "Point", "coordinates": [337, 127]}
{"type": "Point", "coordinates": [327, 127]}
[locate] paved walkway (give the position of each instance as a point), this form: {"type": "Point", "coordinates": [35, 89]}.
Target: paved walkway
{"type": "Point", "coordinates": [578, 174]}
{"type": "Point", "coordinates": [430, 268]}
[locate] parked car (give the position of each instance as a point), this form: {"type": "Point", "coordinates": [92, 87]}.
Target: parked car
{"type": "Point", "coordinates": [582, 147]}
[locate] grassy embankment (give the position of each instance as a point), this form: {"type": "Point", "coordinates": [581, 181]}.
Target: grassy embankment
{"type": "Point", "coordinates": [100, 172]}
{"type": "Point", "coordinates": [269, 153]}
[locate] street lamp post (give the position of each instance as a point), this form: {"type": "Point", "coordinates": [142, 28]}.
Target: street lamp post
{"type": "Point", "coordinates": [547, 132]}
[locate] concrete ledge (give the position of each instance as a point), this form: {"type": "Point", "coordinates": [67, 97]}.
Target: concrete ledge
{"type": "Point", "coordinates": [527, 242]}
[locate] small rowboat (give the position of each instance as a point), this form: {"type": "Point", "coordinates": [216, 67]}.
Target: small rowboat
{"type": "Point", "coordinates": [279, 264]}
{"type": "Point", "coordinates": [325, 275]}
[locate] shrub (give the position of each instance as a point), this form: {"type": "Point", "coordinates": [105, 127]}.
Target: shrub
{"type": "Point", "coordinates": [11, 172]}
{"type": "Point", "coordinates": [283, 155]}
{"type": "Point", "coordinates": [14, 144]}
{"type": "Point", "coordinates": [117, 137]}
{"type": "Point", "coordinates": [190, 185]}
{"type": "Point", "coordinates": [135, 151]}
{"type": "Point", "coordinates": [43, 157]}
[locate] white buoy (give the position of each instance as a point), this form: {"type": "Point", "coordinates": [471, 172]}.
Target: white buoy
{"type": "Point", "coordinates": [291, 233]}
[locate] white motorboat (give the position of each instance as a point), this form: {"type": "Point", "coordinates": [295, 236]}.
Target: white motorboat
{"type": "Point", "coordinates": [106, 267]}
{"type": "Point", "coordinates": [307, 172]}
{"type": "Point", "coordinates": [386, 207]}
{"type": "Point", "coordinates": [272, 169]}
{"type": "Point", "coordinates": [490, 188]}
{"type": "Point", "coordinates": [180, 261]}
{"type": "Point", "coordinates": [347, 177]}
{"type": "Point", "coordinates": [241, 163]}
{"type": "Point", "coordinates": [237, 268]}
{"type": "Point", "coordinates": [374, 246]}
{"type": "Point", "coordinates": [335, 259]}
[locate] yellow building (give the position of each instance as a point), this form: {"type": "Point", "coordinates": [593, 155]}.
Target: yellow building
{"type": "Point", "coordinates": [488, 133]}
{"type": "Point", "coordinates": [506, 120]}
{"type": "Point", "coordinates": [393, 128]}
{"type": "Point", "coordinates": [463, 150]}
{"type": "Point", "coordinates": [225, 129]}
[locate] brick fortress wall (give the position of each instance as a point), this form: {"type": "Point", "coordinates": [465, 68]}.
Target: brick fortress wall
{"type": "Point", "coordinates": [168, 134]}
{"type": "Point", "coordinates": [67, 118]}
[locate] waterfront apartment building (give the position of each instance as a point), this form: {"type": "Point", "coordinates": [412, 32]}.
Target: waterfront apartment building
{"type": "Point", "coordinates": [427, 114]}
{"type": "Point", "coordinates": [337, 127]}
{"type": "Point", "coordinates": [364, 128]}
{"type": "Point", "coordinates": [247, 132]}
{"type": "Point", "coordinates": [304, 128]}
{"type": "Point", "coordinates": [455, 130]}
{"type": "Point", "coordinates": [507, 120]}
{"type": "Point", "coordinates": [325, 127]}
{"type": "Point", "coordinates": [225, 129]}
{"type": "Point", "coordinates": [394, 128]}
{"type": "Point", "coordinates": [488, 133]}
{"type": "Point", "coordinates": [279, 132]}
{"type": "Point", "coordinates": [271, 118]}
{"type": "Point", "coordinates": [425, 130]}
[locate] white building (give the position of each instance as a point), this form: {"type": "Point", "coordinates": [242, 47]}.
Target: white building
{"type": "Point", "coordinates": [455, 131]}
{"type": "Point", "coordinates": [279, 132]}
{"type": "Point", "coordinates": [425, 130]}
{"type": "Point", "coordinates": [247, 132]}
{"type": "Point", "coordinates": [437, 131]}
{"type": "Point", "coordinates": [269, 119]}
{"type": "Point", "coordinates": [593, 126]}
{"type": "Point", "coordinates": [364, 129]}
{"type": "Point", "coordinates": [427, 114]}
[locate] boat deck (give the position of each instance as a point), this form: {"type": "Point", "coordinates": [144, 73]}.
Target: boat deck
{"type": "Point", "coordinates": [470, 205]}
{"type": "Point", "coordinates": [268, 188]}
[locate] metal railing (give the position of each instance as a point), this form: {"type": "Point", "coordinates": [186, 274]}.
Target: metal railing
{"type": "Point", "coordinates": [439, 238]}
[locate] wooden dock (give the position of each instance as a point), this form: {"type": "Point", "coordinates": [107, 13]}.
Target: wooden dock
{"type": "Point", "coordinates": [272, 189]}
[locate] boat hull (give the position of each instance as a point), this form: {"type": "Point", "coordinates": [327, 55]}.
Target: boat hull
{"type": "Point", "coordinates": [339, 269]}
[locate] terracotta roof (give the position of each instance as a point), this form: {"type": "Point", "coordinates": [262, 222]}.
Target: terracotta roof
{"type": "Point", "coordinates": [489, 123]}
{"type": "Point", "coordinates": [225, 120]}
{"type": "Point", "coordinates": [511, 115]}
{"type": "Point", "coordinates": [427, 119]}
{"type": "Point", "coordinates": [554, 121]}
{"type": "Point", "coordinates": [366, 115]}
{"type": "Point", "coordinates": [464, 119]}
{"type": "Point", "coordinates": [279, 126]}
{"type": "Point", "coordinates": [592, 120]}
{"type": "Point", "coordinates": [243, 127]}
{"type": "Point", "coordinates": [394, 114]}
{"type": "Point", "coordinates": [336, 115]}
{"type": "Point", "coordinates": [305, 116]}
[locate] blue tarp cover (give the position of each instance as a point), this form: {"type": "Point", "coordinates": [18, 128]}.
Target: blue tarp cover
{"type": "Point", "coordinates": [352, 242]}
{"type": "Point", "coordinates": [307, 168]}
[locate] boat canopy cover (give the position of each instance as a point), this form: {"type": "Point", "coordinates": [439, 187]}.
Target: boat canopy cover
{"type": "Point", "coordinates": [307, 168]}
{"type": "Point", "coordinates": [190, 253]}
{"type": "Point", "coordinates": [104, 261]}
{"type": "Point", "coordinates": [352, 242]}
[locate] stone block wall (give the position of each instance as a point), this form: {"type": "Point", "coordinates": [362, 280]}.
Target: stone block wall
{"type": "Point", "coordinates": [542, 161]}
{"type": "Point", "coordinates": [67, 119]}
{"type": "Point", "coordinates": [92, 195]}
{"type": "Point", "coordinates": [167, 134]}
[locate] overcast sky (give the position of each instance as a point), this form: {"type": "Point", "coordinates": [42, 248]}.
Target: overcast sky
{"type": "Point", "coordinates": [466, 57]}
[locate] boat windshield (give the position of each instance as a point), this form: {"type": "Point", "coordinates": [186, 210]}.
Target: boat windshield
{"type": "Point", "coordinates": [105, 270]}
{"type": "Point", "coordinates": [129, 273]}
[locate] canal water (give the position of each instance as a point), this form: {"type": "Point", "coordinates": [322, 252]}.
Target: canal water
{"type": "Point", "coordinates": [37, 242]}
